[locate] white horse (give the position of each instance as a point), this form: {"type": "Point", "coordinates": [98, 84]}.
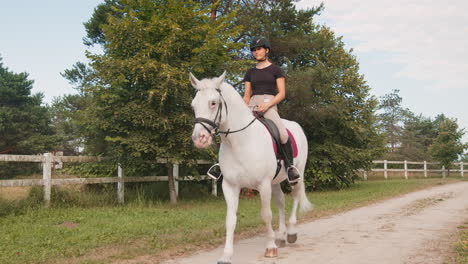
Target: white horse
{"type": "Point", "coordinates": [247, 159]}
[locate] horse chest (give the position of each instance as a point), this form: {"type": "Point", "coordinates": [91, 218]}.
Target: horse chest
{"type": "Point", "coordinates": [247, 165]}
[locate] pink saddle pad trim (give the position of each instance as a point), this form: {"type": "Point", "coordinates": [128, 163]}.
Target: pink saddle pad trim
{"type": "Point", "coordinates": [293, 143]}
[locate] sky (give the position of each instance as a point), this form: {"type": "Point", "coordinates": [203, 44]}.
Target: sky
{"type": "Point", "coordinates": [417, 46]}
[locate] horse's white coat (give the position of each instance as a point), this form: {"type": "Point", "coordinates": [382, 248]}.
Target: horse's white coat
{"type": "Point", "coordinates": [247, 158]}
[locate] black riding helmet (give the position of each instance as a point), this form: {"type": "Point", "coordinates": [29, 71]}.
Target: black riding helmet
{"type": "Point", "coordinates": [259, 42]}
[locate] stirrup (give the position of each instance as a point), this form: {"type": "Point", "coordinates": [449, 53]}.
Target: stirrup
{"type": "Point", "coordinates": [296, 180]}
{"type": "Point", "coordinates": [214, 172]}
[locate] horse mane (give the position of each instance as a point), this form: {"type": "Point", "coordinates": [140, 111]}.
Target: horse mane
{"type": "Point", "coordinates": [234, 98]}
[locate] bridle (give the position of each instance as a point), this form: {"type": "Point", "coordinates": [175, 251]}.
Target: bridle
{"type": "Point", "coordinates": [217, 120]}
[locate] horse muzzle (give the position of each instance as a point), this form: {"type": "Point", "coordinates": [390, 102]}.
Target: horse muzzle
{"type": "Point", "coordinates": [201, 138]}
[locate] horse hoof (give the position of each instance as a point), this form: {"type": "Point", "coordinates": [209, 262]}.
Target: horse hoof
{"type": "Point", "coordinates": [280, 243]}
{"type": "Point", "coordinates": [271, 252]}
{"type": "Point", "coordinates": [292, 238]}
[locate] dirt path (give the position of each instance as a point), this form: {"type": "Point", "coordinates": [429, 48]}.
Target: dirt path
{"type": "Point", "coordinates": [414, 228]}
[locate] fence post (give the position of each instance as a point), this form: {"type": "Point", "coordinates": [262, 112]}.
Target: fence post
{"type": "Point", "coordinates": [175, 172]}
{"type": "Point", "coordinates": [385, 169]}
{"type": "Point", "coordinates": [443, 171]}
{"type": "Point", "coordinates": [46, 177]}
{"type": "Point", "coordinates": [406, 169]}
{"type": "Point", "coordinates": [461, 170]}
{"type": "Point", "coordinates": [365, 175]}
{"type": "Point", "coordinates": [425, 169]}
{"type": "Point", "coordinates": [120, 185]}
{"type": "Point", "coordinates": [214, 188]}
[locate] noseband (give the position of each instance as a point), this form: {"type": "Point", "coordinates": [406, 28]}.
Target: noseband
{"type": "Point", "coordinates": [217, 120]}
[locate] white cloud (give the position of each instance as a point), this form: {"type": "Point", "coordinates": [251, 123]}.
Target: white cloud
{"type": "Point", "coordinates": [424, 42]}
{"type": "Point", "coordinates": [427, 38]}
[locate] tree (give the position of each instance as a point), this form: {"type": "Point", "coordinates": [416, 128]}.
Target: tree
{"type": "Point", "coordinates": [25, 125]}
{"type": "Point", "coordinates": [141, 97]}
{"type": "Point", "coordinates": [447, 146]}
{"type": "Point", "coordinates": [392, 117]}
{"type": "Point", "coordinates": [66, 119]}
{"type": "Point", "coordinates": [331, 100]}
{"type": "Point", "coordinates": [207, 36]}
{"type": "Point", "coordinates": [417, 135]}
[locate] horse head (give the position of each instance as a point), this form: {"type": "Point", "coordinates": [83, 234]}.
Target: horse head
{"type": "Point", "coordinates": [208, 107]}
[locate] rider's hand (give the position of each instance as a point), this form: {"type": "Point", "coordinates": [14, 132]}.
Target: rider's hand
{"type": "Point", "coordinates": [264, 107]}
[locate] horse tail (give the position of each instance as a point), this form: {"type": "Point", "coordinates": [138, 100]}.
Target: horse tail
{"type": "Point", "coordinates": [304, 204]}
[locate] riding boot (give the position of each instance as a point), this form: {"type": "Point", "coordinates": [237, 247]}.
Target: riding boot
{"type": "Point", "coordinates": [293, 172]}
{"type": "Point", "coordinates": [214, 172]}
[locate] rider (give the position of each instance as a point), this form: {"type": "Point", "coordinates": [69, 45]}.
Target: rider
{"type": "Point", "coordinates": [264, 88]}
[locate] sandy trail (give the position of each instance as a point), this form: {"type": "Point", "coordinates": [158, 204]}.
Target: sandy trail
{"type": "Point", "coordinates": [414, 228]}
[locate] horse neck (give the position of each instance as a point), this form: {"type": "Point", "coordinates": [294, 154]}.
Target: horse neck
{"type": "Point", "coordinates": [238, 114]}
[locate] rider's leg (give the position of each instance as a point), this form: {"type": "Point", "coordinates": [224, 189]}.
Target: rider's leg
{"type": "Point", "coordinates": [285, 147]}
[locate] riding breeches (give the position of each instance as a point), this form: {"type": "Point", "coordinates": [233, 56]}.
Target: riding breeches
{"type": "Point", "coordinates": [271, 113]}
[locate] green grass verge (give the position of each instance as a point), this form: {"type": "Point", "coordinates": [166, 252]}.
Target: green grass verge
{"type": "Point", "coordinates": [460, 255]}
{"type": "Point", "coordinates": [106, 233]}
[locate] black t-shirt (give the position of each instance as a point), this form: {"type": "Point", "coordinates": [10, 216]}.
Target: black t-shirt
{"type": "Point", "coordinates": [264, 80]}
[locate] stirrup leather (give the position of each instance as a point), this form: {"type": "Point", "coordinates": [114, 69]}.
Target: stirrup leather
{"type": "Point", "coordinates": [214, 172]}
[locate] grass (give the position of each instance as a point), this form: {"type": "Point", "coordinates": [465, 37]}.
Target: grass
{"type": "Point", "coordinates": [83, 232]}
{"type": "Point", "coordinates": [460, 255]}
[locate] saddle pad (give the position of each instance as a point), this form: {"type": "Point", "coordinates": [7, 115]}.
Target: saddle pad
{"type": "Point", "coordinates": [274, 133]}
{"type": "Point", "coordinates": [293, 143]}
{"type": "Point", "coordinates": [275, 147]}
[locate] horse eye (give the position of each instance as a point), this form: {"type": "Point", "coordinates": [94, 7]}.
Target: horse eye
{"type": "Point", "coordinates": [213, 104]}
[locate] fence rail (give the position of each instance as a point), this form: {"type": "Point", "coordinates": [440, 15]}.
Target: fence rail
{"type": "Point", "coordinates": [424, 170]}
{"type": "Point", "coordinates": [49, 161]}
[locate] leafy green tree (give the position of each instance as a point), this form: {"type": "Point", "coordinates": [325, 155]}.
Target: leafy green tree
{"type": "Point", "coordinates": [206, 36]}
{"type": "Point", "coordinates": [331, 100]}
{"type": "Point", "coordinates": [286, 27]}
{"type": "Point", "coordinates": [447, 146]}
{"type": "Point", "coordinates": [25, 125]}
{"type": "Point", "coordinates": [417, 135]}
{"type": "Point", "coordinates": [143, 98]}
{"type": "Point", "coordinates": [66, 119]}
{"type": "Point", "coordinates": [392, 118]}
{"type": "Point", "coordinates": [140, 101]}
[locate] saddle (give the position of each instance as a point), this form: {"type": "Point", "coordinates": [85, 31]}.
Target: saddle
{"type": "Point", "coordinates": [275, 135]}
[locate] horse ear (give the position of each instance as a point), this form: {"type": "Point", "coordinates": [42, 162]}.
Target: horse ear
{"type": "Point", "coordinates": [221, 78]}
{"type": "Point", "coordinates": [194, 81]}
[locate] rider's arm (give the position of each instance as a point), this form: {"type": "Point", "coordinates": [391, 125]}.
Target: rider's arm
{"type": "Point", "coordinates": [247, 92]}
{"type": "Point", "coordinates": [281, 85]}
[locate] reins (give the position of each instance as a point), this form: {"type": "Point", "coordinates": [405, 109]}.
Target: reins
{"type": "Point", "coordinates": [217, 120]}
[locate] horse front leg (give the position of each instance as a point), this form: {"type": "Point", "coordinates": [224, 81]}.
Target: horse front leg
{"type": "Point", "coordinates": [265, 196]}
{"type": "Point", "coordinates": [280, 237]}
{"type": "Point", "coordinates": [292, 232]}
{"type": "Point", "coordinates": [231, 195]}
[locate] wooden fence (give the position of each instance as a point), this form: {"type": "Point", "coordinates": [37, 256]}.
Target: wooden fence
{"type": "Point", "coordinates": [49, 161]}
{"type": "Point", "coordinates": [424, 169]}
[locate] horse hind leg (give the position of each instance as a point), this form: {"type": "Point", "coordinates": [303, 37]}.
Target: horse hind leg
{"type": "Point", "coordinates": [231, 195]}
{"type": "Point", "coordinates": [280, 236]}
{"type": "Point", "coordinates": [299, 200]}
